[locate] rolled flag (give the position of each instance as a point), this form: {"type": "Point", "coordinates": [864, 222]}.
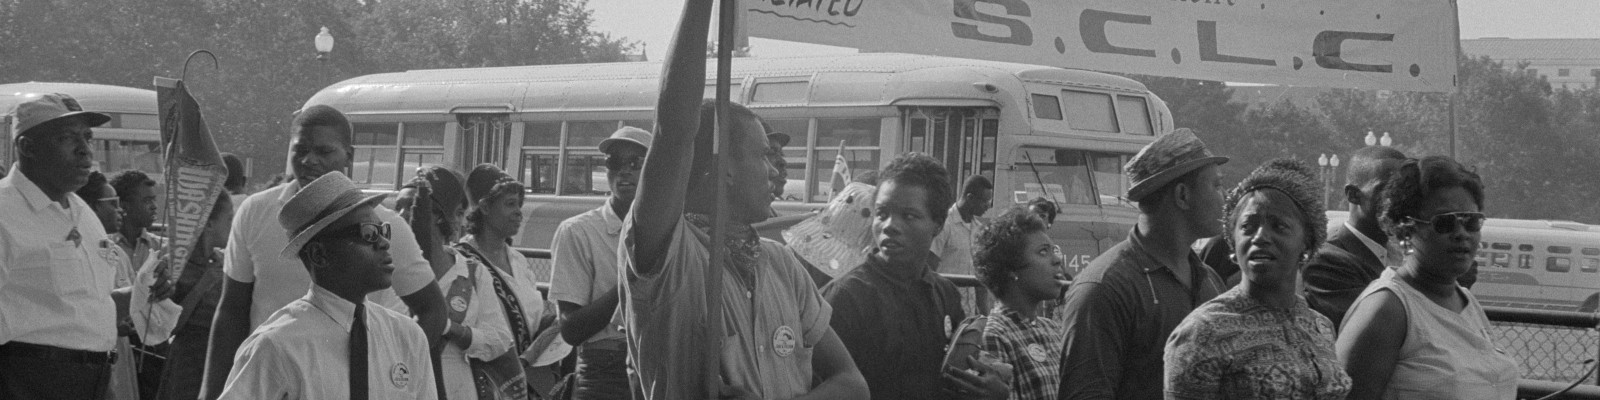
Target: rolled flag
{"type": "Point", "coordinates": [194, 170]}
{"type": "Point", "coordinates": [841, 168]}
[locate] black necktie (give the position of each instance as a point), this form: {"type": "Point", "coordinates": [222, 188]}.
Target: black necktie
{"type": "Point", "coordinates": [358, 354]}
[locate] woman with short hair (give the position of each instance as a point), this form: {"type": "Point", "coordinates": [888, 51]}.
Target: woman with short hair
{"type": "Point", "coordinates": [1260, 340]}
{"type": "Point", "coordinates": [1019, 263]}
{"type": "Point", "coordinates": [1414, 333]}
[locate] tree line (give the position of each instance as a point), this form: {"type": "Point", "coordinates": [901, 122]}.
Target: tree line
{"type": "Point", "coordinates": [1537, 148]}
{"type": "Point", "coordinates": [268, 63]}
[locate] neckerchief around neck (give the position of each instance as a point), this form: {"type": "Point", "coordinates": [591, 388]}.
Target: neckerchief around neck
{"type": "Point", "coordinates": [742, 242]}
{"type": "Point", "coordinates": [508, 300]}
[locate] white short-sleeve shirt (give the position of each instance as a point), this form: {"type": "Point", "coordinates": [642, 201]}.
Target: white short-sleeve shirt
{"type": "Point", "coordinates": [55, 284]}
{"type": "Point", "coordinates": [584, 262]}
{"type": "Point", "coordinates": [257, 240]}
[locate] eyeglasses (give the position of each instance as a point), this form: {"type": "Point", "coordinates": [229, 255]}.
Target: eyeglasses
{"type": "Point", "coordinates": [618, 164]}
{"type": "Point", "coordinates": [367, 232]}
{"type": "Point", "coordinates": [1446, 222]}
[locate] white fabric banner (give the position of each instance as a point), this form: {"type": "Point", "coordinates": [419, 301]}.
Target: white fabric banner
{"type": "Point", "coordinates": [1367, 44]}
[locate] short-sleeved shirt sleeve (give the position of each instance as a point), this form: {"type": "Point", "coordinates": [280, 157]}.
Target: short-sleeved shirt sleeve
{"type": "Point", "coordinates": [261, 370]}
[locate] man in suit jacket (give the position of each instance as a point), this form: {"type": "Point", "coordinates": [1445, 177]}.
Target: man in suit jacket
{"type": "Point", "coordinates": [1357, 251]}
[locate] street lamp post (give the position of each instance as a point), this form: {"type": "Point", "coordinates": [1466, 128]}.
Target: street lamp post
{"type": "Point", "coordinates": [324, 43]}
{"type": "Point", "coordinates": [1328, 165]}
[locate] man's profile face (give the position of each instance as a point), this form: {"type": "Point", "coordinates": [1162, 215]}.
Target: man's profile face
{"type": "Point", "coordinates": [60, 154]}
{"type": "Point", "coordinates": [352, 261]}
{"type": "Point", "coordinates": [1205, 194]}
{"type": "Point", "coordinates": [317, 150]}
{"type": "Point", "coordinates": [750, 191]}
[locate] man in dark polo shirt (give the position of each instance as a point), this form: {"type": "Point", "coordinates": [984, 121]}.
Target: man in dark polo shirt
{"type": "Point", "coordinates": [1120, 310]}
{"type": "Point", "coordinates": [894, 313]}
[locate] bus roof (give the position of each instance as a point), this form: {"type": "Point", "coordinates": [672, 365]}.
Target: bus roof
{"type": "Point", "coordinates": [93, 97]}
{"type": "Point", "coordinates": [854, 79]}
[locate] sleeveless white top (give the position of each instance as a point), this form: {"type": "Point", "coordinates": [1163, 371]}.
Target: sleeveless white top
{"type": "Point", "coordinates": [1446, 355]}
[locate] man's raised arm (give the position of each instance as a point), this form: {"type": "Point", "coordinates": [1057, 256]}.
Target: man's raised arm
{"type": "Point", "coordinates": [665, 179]}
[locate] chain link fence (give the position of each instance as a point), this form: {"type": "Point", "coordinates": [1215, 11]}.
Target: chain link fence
{"type": "Point", "coordinates": [1547, 352]}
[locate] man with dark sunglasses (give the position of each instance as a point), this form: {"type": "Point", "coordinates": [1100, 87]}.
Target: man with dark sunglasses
{"type": "Point", "coordinates": [333, 342]}
{"type": "Point", "coordinates": [1357, 251]}
{"type": "Point", "coordinates": [584, 277]}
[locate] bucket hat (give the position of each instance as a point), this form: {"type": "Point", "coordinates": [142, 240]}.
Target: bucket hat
{"type": "Point", "coordinates": [1169, 157]}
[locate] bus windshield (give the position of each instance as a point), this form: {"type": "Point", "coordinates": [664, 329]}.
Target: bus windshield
{"type": "Point", "coordinates": [1071, 176]}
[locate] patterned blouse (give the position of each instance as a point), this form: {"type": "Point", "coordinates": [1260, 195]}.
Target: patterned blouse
{"type": "Point", "coordinates": [1234, 347]}
{"type": "Point", "coordinates": [1032, 347]}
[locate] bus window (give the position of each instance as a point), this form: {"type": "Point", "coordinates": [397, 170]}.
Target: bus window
{"type": "Point", "coordinates": [1063, 175]}
{"type": "Point", "coordinates": [1502, 260]}
{"type": "Point", "coordinates": [423, 146]}
{"type": "Point", "coordinates": [794, 154]}
{"type": "Point", "coordinates": [1046, 107]}
{"type": "Point", "coordinates": [1591, 265]}
{"type": "Point", "coordinates": [1500, 246]}
{"type": "Point", "coordinates": [860, 138]}
{"type": "Point", "coordinates": [1590, 251]}
{"type": "Point", "coordinates": [1559, 249]}
{"type": "Point", "coordinates": [1134, 114]}
{"type": "Point", "coordinates": [1524, 247]}
{"type": "Point", "coordinates": [374, 162]}
{"type": "Point", "coordinates": [1089, 111]}
{"type": "Point", "coordinates": [780, 92]}
{"type": "Point", "coordinates": [541, 145]}
{"type": "Point", "coordinates": [1558, 264]}
{"type": "Point", "coordinates": [539, 172]}
{"type": "Point", "coordinates": [484, 139]}
{"type": "Point", "coordinates": [1525, 261]}
{"type": "Point", "coordinates": [1110, 180]}
{"type": "Point", "coordinates": [121, 155]}
{"type": "Point", "coordinates": [585, 174]}
{"type": "Point", "coordinates": [588, 133]}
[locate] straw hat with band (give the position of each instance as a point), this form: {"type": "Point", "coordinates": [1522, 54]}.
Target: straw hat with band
{"type": "Point", "coordinates": [35, 109]}
{"type": "Point", "coordinates": [1171, 156]}
{"type": "Point", "coordinates": [317, 205]}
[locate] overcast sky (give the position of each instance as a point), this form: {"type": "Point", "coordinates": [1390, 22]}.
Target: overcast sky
{"type": "Point", "coordinates": [651, 21]}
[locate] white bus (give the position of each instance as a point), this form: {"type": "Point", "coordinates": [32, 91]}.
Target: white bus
{"type": "Point", "coordinates": [1537, 264]}
{"type": "Point", "coordinates": [1034, 130]}
{"type": "Point", "coordinates": [131, 140]}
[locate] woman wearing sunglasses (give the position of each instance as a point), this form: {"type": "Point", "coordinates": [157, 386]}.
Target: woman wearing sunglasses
{"type": "Point", "coordinates": [1414, 333]}
{"type": "Point", "coordinates": [1260, 340]}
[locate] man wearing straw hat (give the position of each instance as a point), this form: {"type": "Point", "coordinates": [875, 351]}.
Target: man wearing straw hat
{"type": "Point", "coordinates": [1121, 308]}
{"type": "Point", "coordinates": [58, 324]}
{"type": "Point", "coordinates": [332, 342]}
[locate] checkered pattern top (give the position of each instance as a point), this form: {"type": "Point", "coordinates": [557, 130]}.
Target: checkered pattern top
{"type": "Point", "coordinates": [1031, 346]}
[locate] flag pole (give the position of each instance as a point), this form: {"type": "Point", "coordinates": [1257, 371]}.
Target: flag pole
{"type": "Point", "coordinates": [726, 33]}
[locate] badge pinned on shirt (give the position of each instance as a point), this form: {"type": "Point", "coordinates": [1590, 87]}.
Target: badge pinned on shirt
{"type": "Point", "coordinates": [75, 237]}
{"type": "Point", "coordinates": [783, 341]}
{"type": "Point", "coordinates": [458, 303]}
{"type": "Point", "coordinates": [1037, 353]}
{"type": "Point", "coordinates": [400, 375]}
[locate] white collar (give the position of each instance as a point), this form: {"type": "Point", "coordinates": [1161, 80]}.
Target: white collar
{"type": "Point", "coordinates": [335, 307]}
{"type": "Point", "coordinates": [1376, 248]}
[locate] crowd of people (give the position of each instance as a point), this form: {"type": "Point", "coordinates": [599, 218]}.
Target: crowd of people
{"type": "Point", "coordinates": [312, 289]}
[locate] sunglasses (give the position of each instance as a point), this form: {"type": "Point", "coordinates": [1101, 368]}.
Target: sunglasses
{"type": "Point", "coordinates": [370, 233]}
{"type": "Point", "coordinates": [618, 164]}
{"type": "Point", "coordinates": [1447, 222]}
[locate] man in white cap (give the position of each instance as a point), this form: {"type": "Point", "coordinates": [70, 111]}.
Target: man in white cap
{"type": "Point", "coordinates": [333, 343]}
{"type": "Point", "coordinates": [583, 279]}
{"type": "Point", "coordinates": [57, 323]}
{"type": "Point", "coordinates": [260, 280]}
{"type": "Point", "coordinates": [58, 312]}
{"type": "Point", "coordinates": [1121, 308]}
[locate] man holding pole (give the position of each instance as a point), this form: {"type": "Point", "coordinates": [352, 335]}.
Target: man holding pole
{"type": "Point", "coordinates": [778, 342]}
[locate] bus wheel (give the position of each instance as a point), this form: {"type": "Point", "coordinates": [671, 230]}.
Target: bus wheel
{"type": "Point", "coordinates": [1591, 304]}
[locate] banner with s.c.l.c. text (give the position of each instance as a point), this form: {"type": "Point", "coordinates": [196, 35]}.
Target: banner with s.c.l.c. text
{"type": "Point", "coordinates": [1367, 44]}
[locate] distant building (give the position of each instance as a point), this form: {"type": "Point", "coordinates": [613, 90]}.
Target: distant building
{"type": "Point", "coordinates": [1566, 63]}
